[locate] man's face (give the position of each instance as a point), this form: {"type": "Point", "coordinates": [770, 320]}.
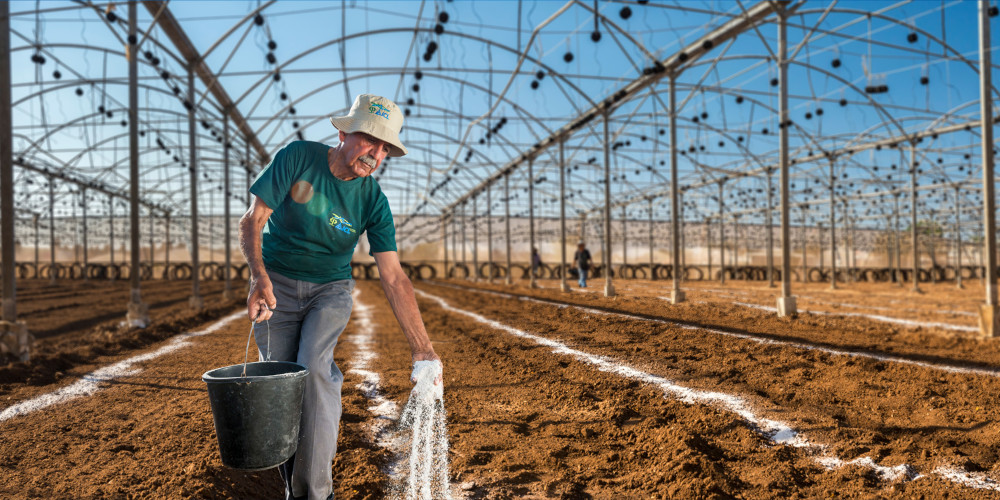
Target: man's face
{"type": "Point", "coordinates": [363, 153]}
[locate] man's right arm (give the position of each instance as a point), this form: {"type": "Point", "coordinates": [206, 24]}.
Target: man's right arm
{"type": "Point", "coordinates": [261, 295]}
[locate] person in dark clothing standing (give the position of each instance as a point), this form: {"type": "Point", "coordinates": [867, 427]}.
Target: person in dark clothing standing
{"type": "Point", "coordinates": [536, 262]}
{"type": "Point", "coordinates": [582, 263]}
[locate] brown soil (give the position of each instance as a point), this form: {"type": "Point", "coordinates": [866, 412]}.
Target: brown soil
{"type": "Point", "coordinates": [527, 422]}
{"type": "Point", "coordinates": [74, 322]}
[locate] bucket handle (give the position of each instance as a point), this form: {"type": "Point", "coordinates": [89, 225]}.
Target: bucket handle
{"type": "Point", "coordinates": [246, 353]}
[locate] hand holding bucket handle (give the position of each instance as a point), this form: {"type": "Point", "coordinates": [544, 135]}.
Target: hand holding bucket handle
{"type": "Point", "coordinates": [246, 353]}
{"type": "Point", "coordinates": [260, 301]}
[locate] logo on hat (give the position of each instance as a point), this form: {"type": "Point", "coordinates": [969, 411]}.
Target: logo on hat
{"type": "Point", "coordinates": [379, 110]}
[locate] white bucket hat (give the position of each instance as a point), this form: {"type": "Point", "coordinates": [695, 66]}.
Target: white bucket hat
{"type": "Point", "coordinates": [376, 116]}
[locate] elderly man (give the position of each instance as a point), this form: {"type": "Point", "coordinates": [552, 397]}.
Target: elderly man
{"type": "Point", "coordinates": [308, 209]}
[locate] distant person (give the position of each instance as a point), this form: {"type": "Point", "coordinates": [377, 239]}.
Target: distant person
{"type": "Point", "coordinates": [308, 208]}
{"type": "Point", "coordinates": [582, 263]}
{"type": "Point", "coordinates": [536, 262]}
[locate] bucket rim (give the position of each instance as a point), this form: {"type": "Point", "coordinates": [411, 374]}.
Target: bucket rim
{"type": "Point", "coordinates": [207, 377]}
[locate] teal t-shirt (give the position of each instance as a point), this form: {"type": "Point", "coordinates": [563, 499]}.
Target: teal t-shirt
{"type": "Point", "coordinates": [317, 217]}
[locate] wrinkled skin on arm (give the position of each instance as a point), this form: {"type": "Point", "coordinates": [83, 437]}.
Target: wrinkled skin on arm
{"type": "Point", "coordinates": [399, 290]}
{"type": "Point", "coordinates": [261, 300]}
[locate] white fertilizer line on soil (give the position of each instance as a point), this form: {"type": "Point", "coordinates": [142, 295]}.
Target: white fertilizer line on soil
{"type": "Point", "coordinates": [890, 309]}
{"type": "Point", "coordinates": [761, 340]}
{"type": "Point", "coordinates": [876, 317]}
{"type": "Point", "coordinates": [92, 382]}
{"type": "Point", "coordinates": [777, 431]}
{"type": "Point", "coordinates": [385, 410]}
{"type": "Point", "coordinates": [978, 480]}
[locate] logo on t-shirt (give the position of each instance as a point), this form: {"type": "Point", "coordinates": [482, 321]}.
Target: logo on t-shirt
{"type": "Point", "coordinates": [341, 223]}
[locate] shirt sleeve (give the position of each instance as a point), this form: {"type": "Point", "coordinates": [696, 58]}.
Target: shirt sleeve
{"type": "Point", "coordinates": [274, 183]}
{"type": "Point", "coordinates": [381, 230]}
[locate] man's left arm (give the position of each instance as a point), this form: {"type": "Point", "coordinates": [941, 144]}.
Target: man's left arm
{"type": "Point", "coordinates": [399, 290]}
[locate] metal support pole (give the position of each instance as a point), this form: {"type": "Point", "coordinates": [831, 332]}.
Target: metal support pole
{"type": "Point", "coordinates": [609, 289]}
{"type": "Point", "coordinates": [166, 245]}
{"type": "Point", "coordinates": [152, 243]}
{"type": "Point", "coordinates": [531, 224]}
{"type": "Point", "coordinates": [958, 241]}
{"type": "Point", "coordinates": [13, 334]}
{"type": "Point", "coordinates": [933, 247]}
{"type": "Point", "coordinates": [854, 246]}
{"type": "Point", "coordinates": [624, 239]}
{"type": "Point", "coordinates": [676, 295]}
{"type": "Point", "coordinates": [805, 241]}
{"type": "Point", "coordinates": [111, 230]}
{"type": "Point", "coordinates": [652, 274]}
{"type": "Point", "coordinates": [913, 217]}
{"type": "Point", "coordinates": [850, 253]}
{"type": "Point", "coordinates": [34, 219]}
{"type": "Point", "coordinates": [833, 228]}
{"type": "Point", "coordinates": [722, 236]}
{"type": "Point", "coordinates": [227, 292]}
{"type": "Point", "coordinates": [489, 232]}
{"type": "Point", "coordinates": [708, 243]}
{"type": "Point", "coordinates": [563, 270]}
{"type": "Point", "coordinates": [7, 218]}
{"type": "Point", "coordinates": [736, 243]}
{"type": "Point", "coordinates": [683, 236]}
{"type": "Point", "coordinates": [52, 230]}
{"type": "Point", "coordinates": [786, 303]}
{"type": "Point", "coordinates": [138, 313]}
{"type": "Point", "coordinates": [475, 238]}
{"type": "Point", "coordinates": [86, 246]}
{"type": "Point", "coordinates": [506, 221]}
{"type": "Point", "coordinates": [444, 241]}
{"type": "Point", "coordinates": [195, 301]}
{"type": "Point", "coordinates": [989, 317]}
{"type": "Point", "coordinates": [770, 230]}
{"type": "Point", "coordinates": [454, 238]}
{"type": "Point", "coordinates": [9, 265]}
{"type": "Point", "coordinates": [899, 245]}
{"type": "Point", "coordinates": [464, 238]}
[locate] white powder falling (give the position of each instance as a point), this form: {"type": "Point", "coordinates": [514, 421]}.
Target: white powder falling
{"type": "Point", "coordinates": [423, 425]}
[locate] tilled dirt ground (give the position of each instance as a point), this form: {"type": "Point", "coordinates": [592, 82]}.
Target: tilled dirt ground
{"type": "Point", "coordinates": [75, 322]}
{"type": "Point", "coordinates": [538, 421]}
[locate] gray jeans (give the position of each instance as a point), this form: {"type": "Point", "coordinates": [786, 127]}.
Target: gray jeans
{"type": "Point", "coordinates": [306, 323]}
